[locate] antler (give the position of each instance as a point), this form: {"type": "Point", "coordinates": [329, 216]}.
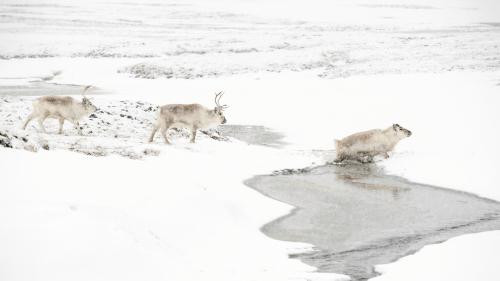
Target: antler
{"type": "Point", "coordinates": [85, 90]}
{"type": "Point", "coordinates": [218, 96]}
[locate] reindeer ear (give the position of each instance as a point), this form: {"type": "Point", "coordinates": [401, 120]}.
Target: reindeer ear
{"type": "Point", "coordinates": [395, 127]}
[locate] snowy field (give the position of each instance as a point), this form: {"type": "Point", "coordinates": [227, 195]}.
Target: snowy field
{"type": "Point", "coordinates": [310, 70]}
{"type": "Point", "coordinates": [336, 38]}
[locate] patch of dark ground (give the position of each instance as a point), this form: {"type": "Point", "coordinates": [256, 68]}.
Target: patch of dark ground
{"type": "Point", "coordinates": [357, 216]}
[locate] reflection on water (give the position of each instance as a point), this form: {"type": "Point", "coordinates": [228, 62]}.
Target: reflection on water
{"type": "Point", "coordinates": [356, 216]}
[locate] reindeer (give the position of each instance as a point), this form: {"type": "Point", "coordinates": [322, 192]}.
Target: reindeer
{"type": "Point", "coordinates": [190, 116]}
{"type": "Point", "coordinates": [364, 146]}
{"type": "Point", "coordinates": [61, 108]}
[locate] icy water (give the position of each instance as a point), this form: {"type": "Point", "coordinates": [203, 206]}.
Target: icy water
{"type": "Point", "coordinates": [356, 216]}
{"type": "Point", "coordinates": [44, 89]}
{"type": "Point", "coordinates": [253, 134]}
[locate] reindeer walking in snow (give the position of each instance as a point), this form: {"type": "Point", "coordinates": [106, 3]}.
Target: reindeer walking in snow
{"type": "Point", "coordinates": [190, 116]}
{"type": "Point", "coordinates": [61, 108]}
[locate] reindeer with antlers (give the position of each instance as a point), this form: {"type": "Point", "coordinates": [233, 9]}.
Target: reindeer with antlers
{"type": "Point", "coordinates": [61, 108]}
{"type": "Point", "coordinates": [190, 116]}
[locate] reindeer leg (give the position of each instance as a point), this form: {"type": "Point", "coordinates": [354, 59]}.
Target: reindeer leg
{"type": "Point", "coordinates": [40, 122]}
{"type": "Point", "coordinates": [340, 158]}
{"type": "Point", "coordinates": [193, 133]}
{"type": "Point", "coordinates": [152, 136]}
{"type": "Point", "coordinates": [164, 133]}
{"type": "Point", "coordinates": [61, 123]}
{"type": "Point", "coordinates": [77, 124]}
{"type": "Point", "coordinates": [365, 158]}
{"type": "Point", "coordinates": [361, 157]}
{"type": "Point", "coordinates": [30, 117]}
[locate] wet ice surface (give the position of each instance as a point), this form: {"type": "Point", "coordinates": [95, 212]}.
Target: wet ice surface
{"type": "Point", "coordinates": [356, 216]}
{"type": "Point", "coordinates": [253, 134]}
{"type": "Point", "coordinates": [45, 89]}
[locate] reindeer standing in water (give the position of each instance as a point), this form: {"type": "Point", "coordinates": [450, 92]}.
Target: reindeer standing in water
{"type": "Point", "coordinates": [190, 116]}
{"type": "Point", "coordinates": [364, 146]}
{"type": "Point", "coordinates": [61, 108]}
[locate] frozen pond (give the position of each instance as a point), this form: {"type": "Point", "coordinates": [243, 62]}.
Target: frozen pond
{"type": "Point", "coordinates": [356, 216]}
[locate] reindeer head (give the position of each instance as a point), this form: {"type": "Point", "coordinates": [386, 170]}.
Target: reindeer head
{"type": "Point", "coordinates": [218, 110]}
{"type": "Point", "coordinates": [87, 104]}
{"type": "Point", "coordinates": [400, 131]}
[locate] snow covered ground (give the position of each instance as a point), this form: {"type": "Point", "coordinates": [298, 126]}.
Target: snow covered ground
{"type": "Point", "coordinates": [337, 38]}
{"type": "Point", "coordinates": [183, 213]}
